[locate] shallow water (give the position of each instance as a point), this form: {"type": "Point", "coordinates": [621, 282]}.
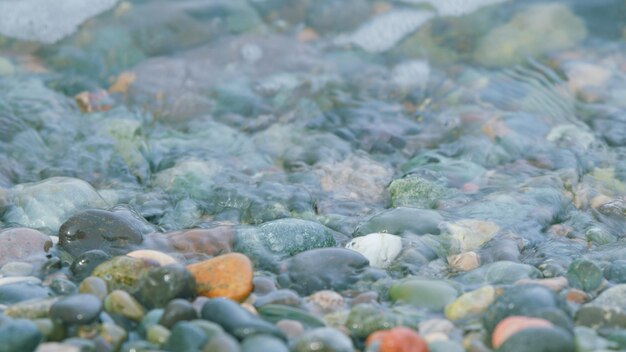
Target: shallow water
{"type": "Point", "coordinates": [484, 136]}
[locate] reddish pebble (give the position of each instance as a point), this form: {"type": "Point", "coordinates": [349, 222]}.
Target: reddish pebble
{"type": "Point", "coordinates": [512, 325]}
{"type": "Point", "coordinates": [576, 296]}
{"type": "Point", "coordinates": [398, 339]}
{"type": "Point", "coordinates": [229, 275]}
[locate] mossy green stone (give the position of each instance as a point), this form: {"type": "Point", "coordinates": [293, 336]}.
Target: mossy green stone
{"type": "Point", "coordinates": [415, 191]}
{"type": "Point", "coordinates": [585, 275]}
{"type": "Point", "coordinates": [429, 294]}
{"type": "Point", "coordinates": [121, 272]}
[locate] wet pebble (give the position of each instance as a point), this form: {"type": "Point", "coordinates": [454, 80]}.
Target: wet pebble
{"type": "Point", "coordinates": [19, 335]}
{"type": "Point", "coordinates": [77, 309]}
{"type": "Point", "coordinates": [121, 303]}
{"type": "Point", "coordinates": [398, 339]}
{"type": "Point", "coordinates": [84, 264]}
{"type": "Point", "coordinates": [379, 248]}
{"type": "Point", "coordinates": [95, 286]}
{"type": "Point", "coordinates": [430, 294]}
{"type": "Point", "coordinates": [23, 244]}
{"type": "Point", "coordinates": [156, 286]}
{"type": "Point", "coordinates": [177, 310]}
{"type": "Point", "coordinates": [263, 343]}
{"type": "Point", "coordinates": [229, 275]}
{"type": "Point", "coordinates": [186, 337]}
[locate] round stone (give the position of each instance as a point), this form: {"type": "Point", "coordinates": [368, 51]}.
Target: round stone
{"type": "Point", "coordinates": [379, 248]}
{"type": "Point", "coordinates": [177, 310]}
{"type": "Point", "coordinates": [23, 244]}
{"type": "Point", "coordinates": [236, 320]}
{"type": "Point", "coordinates": [121, 303]}
{"type": "Point", "coordinates": [84, 264]}
{"type": "Point", "coordinates": [147, 254]}
{"type": "Point", "coordinates": [263, 343]}
{"type": "Point", "coordinates": [585, 275]}
{"type": "Point", "coordinates": [16, 269]}
{"type": "Point", "coordinates": [95, 286]}
{"type": "Point", "coordinates": [114, 232]}
{"type": "Point", "coordinates": [19, 335]}
{"type": "Point", "coordinates": [158, 286]}
{"type": "Point", "coordinates": [77, 309]}
{"type": "Point", "coordinates": [186, 337]}
{"type": "Point", "coordinates": [229, 275]}
{"type": "Point", "coordinates": [514, 324]}
{"type": "Point", "coordinates": [470, 303]}
{"type": "Point", "coordinates": [122, 272]}
{"type": "Point", "coordinates": [323, 339]}
{"type": "Point", "coordinates": [398, 339]}
{"type": "Point", "coordinates": [430, 294]}
{"type": "Point", "coordinates": [553, 339]}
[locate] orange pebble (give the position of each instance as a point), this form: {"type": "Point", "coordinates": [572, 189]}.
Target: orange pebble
{"type": "Point", "coordinates": [514, 324]}
{"type": "Point", "coordinates": [398, 339]}
{"type": "Point", "coordinates": [229, 275]}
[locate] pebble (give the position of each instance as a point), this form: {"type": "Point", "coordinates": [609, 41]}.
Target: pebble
{"type": "Point", "coordinates": [23, 245]}
{"type": "Point", "coordinates": [16, 269]}
{"type": "Point", "coordinates": [222, 343]}
{"type": "Point", "coordinates": [291, 328]}
{"type": "Point", "coordinates": [177, 310]}
{"type": "Point", "coordinates": [402, 220]}
{"type": "Point", "coordinates": [156, 286]}
{"type": "Point", "coordinates": [471, 303]}
{"type": "Point", "coordinates": [323, 339]}
{"type": "Point", "coordinates": [19, 335]}
{"type": "Point", "coordinates": [321, 269]}
{"type": "Point", "coordinates": [429, 294]}
{"type": "Point", "coordinates": [236, 320]}
{"type": "Point", "coordinates": [186, 337]}
{"type": "Point", "coordinates": [607, 310]}
{"type": "Point", "coordinates": [585, 275]}
{"type": "Point", "coordinates": [398, 339]}
{"type": "Point", "coordinates": [79, 309]}
{"type": "Point", "coordinates": [467, 261]}
{"type": "Point", "coordinates": [84, 264]}
{"type": "Point", "coordinates": [540, 339]}
{"type": "Point", "coordinates": [326, 301]}
{"type": "Point", "coordinates": [147, 254]}
{"type": "Point", "coordinates": [379, 248]}
{"type": "Point", "coordinates": [514, 324]}
{"type": "Point", "coordinates": [114, 232]}
{"type": "Point", "coordinates": [121, 303]}
{"type": "Point", "coordinates": [213, 242]}
{"type": "Point", "coordinates": [229, 275]}
{"type": "Point", "coordinates": [121, 272]}
{"type": "Point", "coordinates": [157, 335]}
{"type": "Point", "coordinates": [95, 286]}
{"type": "Point", "coordinates": [263, 343]}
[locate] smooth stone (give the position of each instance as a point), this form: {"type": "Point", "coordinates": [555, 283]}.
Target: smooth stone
{"type": "Point", "coordinates": [379, 248]}
{"type": "Point", "coordinates": [275, 240]}
{"type": "Point", "coordinates": [585, 275]}
{"type": "Point", "coordinates": [86, 262]}
{"type": "Point", "coordinates": [263, 285]}
{"type": "Point", "coordinates": [122, 303]}
{"type": "Point", "coordinates": [31, 309]}
{"type": "Point", "coordinates": [616, 271]}
{"type": "Point", "coordinates": [46, 204]}
{"type": "Point", "coordinates": [263, 343]}
{"type": "Point", "coordinates": [402, 220]}
{"type": "Point", "coordinates": [553, 339]}
{"type": "Point", "coordinates": [321, 269]}
{"type": "Point", "coordinates": [114, 232]}
{"type": "Point", "coordinates": [429, 294]}
{"type": "Point", "coordinates": [24, 245]}
{"type": "Point", "coordinates": [464, 262]}
{"type": "Point", "coordinates": [222, 343]}
{"type": "Point", "coordinates": [19, 335]}
{"type": "Point", "coordinates": [500, 273]}
{"type": "Point", "coordinates": [95, 286]}
{"type": "Point", "coordinates": [291, 328]}
{"type": "Point", "coordinates": [148, 254]}
{"type": "Point", "coordinates": [149, 319]}
{"type": "Point", "coordinates": [22, 291]}
{"type": "Point", "coordinates": [84, 344]}
{"type": "Point", "coordinates": [471, 303]}
{"type": "Point", "coordinates": [276, 312]}
{"type": "Point", "coordinates": [139, 346]}
{"type": "Point", "coordinates": [607, 310]}
{"type": "Point", "coordinates": [365, 319]}
{"type": "Point", "coordinates": [16, 269]}
{"type": "Point", "coordinates": [514, 324]}
{"type": "Point", "coordinates": [416, 191]}
{"type": "Point", "coordinates": [212, 242]}
{"type": "Point", "coordinates": [20, 279]}
{"type": "Point", "coordinates": [326, 301]}
{"type": "Point", "coordinates": [398, 339]}
{"type": "Point", "coordinates": [528, 300]}
{"type": "Point", "coordinates": [52, 331]}
{"type": "Point", "coordinates": [158, 335]}
{"type": "Point", "coordinates": [323, 339]}
{"type": "Point", "coordinates": [77, 309]}
{"type": "Point", "coordinates": [186, 337]}
{"type": "Point", "coordinates": [159, 285]}
{"type": "Point", "coordinates": [122, 272]}
{"type": "Point", "coordinates": [468, 234]}
{"type": "Point", "coordinates": [229, 275]}
{"type": "Point", "coordinates": [286, 297]}
{"type": "Point", "coordinates": [177, 310]}
{"type": "Point", "coordinates": [62, 287]}
{"type": "Point", "coordinates": [113, 334]}
{"type": "Point", "coordinates": [236, 320]}
{"type": "Point", "coordinates": [210, 329]}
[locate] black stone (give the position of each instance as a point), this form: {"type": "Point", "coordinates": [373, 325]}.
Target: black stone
{"type": "Point", "coordinates": [84, 264]}
{"type": "Point", "coordinates": [236, 320]}
{"type": "Point", "coordinates": [177, 310]}
{"type": "Point", "coordinates": [77, 309]}
{"type": "Point", "coordinates": [158, 286]}
{"type": "Point", "coordinates": [186, 337]}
